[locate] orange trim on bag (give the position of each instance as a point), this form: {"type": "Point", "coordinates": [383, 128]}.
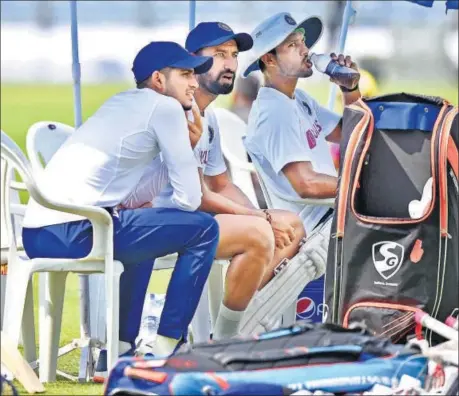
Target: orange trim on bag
{"type": "Point", "coordinates": [453, 156]}
{"type": "Point", "coordinates": [443, 175]}
{"type": "Point", "coordinates": [377, 305]}
{"type": "Point", "coordinates": [393, 220]}
{"type": "Point", "coordinates": [148, 375]}
{"type": "Point", "coordinates": [222, 383]}
{"type": "Point", "coordinates": [417, 252]}
{"type": "Point", "coordinates": [347, 167]}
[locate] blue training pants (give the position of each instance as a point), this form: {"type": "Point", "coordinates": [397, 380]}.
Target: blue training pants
{"type": "Point", "coordinates": [140, 236]}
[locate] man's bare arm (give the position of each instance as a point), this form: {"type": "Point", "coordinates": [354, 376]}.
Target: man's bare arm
{"type": "Point", "coordinates": [222, 184]}
{"type": "Point", "coordinates": [308, 183]}
{"type": "Point", "coordinates": [217, 203]}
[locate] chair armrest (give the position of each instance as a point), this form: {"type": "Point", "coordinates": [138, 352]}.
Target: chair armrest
{"type": "Point", "coordinates": [305, 201]}
{"type": "Point", "coordinates": [234, 161]}
{"type": "Point", "coordinates": [100, 219]}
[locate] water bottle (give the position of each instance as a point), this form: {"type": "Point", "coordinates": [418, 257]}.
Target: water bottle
{"type": "Point", "coordinates": [344, 76]}
{"type": "Point", "coordinates": [151, 314]}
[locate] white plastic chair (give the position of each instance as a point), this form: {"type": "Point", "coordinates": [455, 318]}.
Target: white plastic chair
{"type": "Point", "coordinates": [21, 268]}
{"type": "Point", "coordinates": [43, 140]}
{"type": "Point", "coordinates": [232, 129]}
{"type": "Point", "coordinates": [12, 212]}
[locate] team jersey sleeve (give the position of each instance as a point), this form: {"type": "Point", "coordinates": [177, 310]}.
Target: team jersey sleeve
{"type": "Point", "coordinates": [168, 122]}
{"type": "Point", "coordinates": [280, 139]}
{"type": "Point", "coordinates": [153, 181]}
{"type": "Point", "coordinates": [215, 163]}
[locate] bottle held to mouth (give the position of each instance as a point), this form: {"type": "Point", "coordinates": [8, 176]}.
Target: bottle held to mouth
{"type": "Point", "coordinates": [345, 76]}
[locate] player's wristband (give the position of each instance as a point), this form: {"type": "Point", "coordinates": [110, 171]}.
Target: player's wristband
{"type": "Point", "coordinates": [344, 89]}
{"type": "Point", "coordinates": [269, 219]}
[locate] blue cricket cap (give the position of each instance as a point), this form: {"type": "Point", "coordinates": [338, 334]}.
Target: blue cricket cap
{"type": "Point", "coordinates": [209, 34]}
{"type": "Point", "coordinates": [160, 54]}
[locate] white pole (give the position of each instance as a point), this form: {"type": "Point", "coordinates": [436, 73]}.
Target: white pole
{"type": "Point", "coordinates": [348, 13]}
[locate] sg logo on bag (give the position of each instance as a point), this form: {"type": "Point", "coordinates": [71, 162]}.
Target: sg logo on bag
{"type": "Point", "coordinates": [387, 258]}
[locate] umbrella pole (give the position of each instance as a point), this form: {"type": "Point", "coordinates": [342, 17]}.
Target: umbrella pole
{"type": "Point", "coordinates": [348, 13]}
{"type": "Point", "coordinates": [192, 14]}
{"type": "Point", "coordinates": [86, 353]}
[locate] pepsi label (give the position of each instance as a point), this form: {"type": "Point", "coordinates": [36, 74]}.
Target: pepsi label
{"type": "Point", "coordinates": [310, 305]}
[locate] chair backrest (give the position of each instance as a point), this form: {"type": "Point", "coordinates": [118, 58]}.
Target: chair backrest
{"type": "Point", "coordinates": [232, 130]}
{"type": "Point", "coordinates": [264, 188]}
{"type": "Point", "coordinates": [7, 218]}
{"type": "Point", "coordinates": [14, 159]}
{"type": "Point", "coordinates": [43, 140]}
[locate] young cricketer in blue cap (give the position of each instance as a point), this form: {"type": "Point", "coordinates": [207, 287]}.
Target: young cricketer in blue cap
{"type": "Point", "coordinates": [102, 162]}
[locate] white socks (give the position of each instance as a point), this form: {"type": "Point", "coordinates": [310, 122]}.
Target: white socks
{"type": "Point", "coordinates": [162, 346]}
{"type": "Point", "coordinates": [227, 324]}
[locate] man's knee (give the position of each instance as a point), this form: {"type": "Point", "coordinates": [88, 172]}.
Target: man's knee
{"type": "Point", "coordinates": [260, 237]}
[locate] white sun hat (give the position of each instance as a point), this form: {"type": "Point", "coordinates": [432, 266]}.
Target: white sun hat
{"type": "Point", "coordinates": [274, 30]}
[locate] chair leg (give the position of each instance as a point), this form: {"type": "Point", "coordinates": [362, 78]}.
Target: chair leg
{"type": "Point", "coordinates": [112, 289]}
{"type": "Point", "coordinates": [97, 319]}
{"type": "Point", "coordinates": [28, 326]}
{"type": "Point", "coordinates": [15, 300]}
{"type": "Point", "coordinates": [200, 324]}
{"type": "Point", "coordinates": [51, 307]}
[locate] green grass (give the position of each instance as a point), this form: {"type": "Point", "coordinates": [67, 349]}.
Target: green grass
{"type": "Point", "coordinates": [23, 105]}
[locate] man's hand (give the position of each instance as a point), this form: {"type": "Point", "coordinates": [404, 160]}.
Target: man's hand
{"type": "Point", "coordinates": [284, 233]}
{"type": "Point", "coordinates": [343, 61]}
{"type": "Point", "coordinates": [195, 127]}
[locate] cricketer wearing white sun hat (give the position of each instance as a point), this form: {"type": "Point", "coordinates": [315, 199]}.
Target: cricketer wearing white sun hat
{"type": "Point", "coordinates": [274, 30]}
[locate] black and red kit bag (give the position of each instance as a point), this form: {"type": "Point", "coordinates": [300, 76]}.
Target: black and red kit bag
{"type": "Point", "coordinates": [386, 260]}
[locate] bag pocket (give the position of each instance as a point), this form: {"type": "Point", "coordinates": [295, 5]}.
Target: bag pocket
{"type": "Point", "coordinates": [389, 320]}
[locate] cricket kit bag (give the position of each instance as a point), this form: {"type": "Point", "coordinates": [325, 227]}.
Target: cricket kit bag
{"type": "Point", "coordinates": [305, 356]}
{"type": "Point", "coordinates": [394, 238]}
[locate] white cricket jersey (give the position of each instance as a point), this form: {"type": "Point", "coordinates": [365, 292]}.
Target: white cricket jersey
{"type": "Point", "coordinates": [102, 162]}
{"type": "Point", "coordinates": [282, 130]}
{"type": "Point", "coordinates": [155, 186]}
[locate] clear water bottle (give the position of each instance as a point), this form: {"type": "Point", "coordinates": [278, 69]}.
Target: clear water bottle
{"type": "Point", "coordinates": [345, 76]}
{"type": "Point", "coordinates": [151, 314]}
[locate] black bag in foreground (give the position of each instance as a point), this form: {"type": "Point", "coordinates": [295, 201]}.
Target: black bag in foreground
{"type": "Point", "coordinates": [389, 254]}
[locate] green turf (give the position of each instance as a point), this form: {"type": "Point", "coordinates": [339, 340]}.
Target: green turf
{"type": "Point", "coordinates": [22, 105]}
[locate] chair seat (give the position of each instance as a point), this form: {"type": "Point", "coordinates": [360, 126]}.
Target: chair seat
{"type": "Point", "coordinates": [64, 265]}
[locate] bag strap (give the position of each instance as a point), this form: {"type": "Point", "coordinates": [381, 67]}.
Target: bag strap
{"type": "Point", "coordinates": [447, 152]}
{"type": "Point", "coordinates": [453, 156]}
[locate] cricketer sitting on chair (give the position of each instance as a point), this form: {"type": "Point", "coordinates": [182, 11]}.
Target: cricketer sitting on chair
{"type": "Point", "coordinates": [288, 131]}
{"type": "Point", "coordinates": [101, 163]}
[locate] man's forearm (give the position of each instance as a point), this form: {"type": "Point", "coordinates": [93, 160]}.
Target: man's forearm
{"type": "Point", "coordinates": [322, 186]}
{"type": "Point", "coordinates": [217, 203]}
{"type": "Point", "coordinates": [234, 193]}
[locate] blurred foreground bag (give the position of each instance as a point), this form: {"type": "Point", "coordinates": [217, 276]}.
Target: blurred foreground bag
{"type": "Point", "coordinates": [304, 357]}
{"type": "Point", "coordinates": [392, 251]}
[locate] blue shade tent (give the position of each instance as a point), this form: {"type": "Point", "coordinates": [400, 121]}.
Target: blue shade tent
{"type": "Point", "coordinates": [349, 12]}
{"type": "Point", "coordinates": [450, 4]}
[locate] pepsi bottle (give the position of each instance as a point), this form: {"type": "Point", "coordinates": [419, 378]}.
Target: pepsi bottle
{"type": "Point", "coordinates": [344, 76]}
